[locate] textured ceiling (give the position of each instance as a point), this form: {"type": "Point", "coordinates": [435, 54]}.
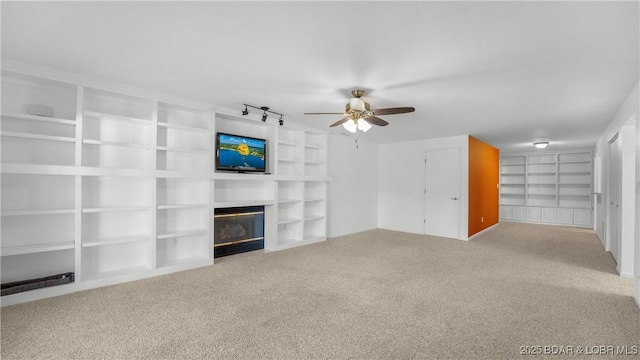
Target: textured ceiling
{"type": "Point", "coordinates": [509, 73]}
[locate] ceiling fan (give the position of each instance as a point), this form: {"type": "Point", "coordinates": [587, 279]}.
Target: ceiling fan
{"type": "Point", "coordinates": [358, 114]}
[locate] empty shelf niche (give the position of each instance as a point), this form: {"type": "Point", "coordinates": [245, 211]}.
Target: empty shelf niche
{"type": "Point", "coordinates": [116, 210]}
{"type": "Point", "coordinates": [240, 192]}
{"type": "Point", "coordinates": [99, 262]}
{"type": "Point", "coordinates": [24, 195]}
{"type": "Point", "coordinates": [38, 120]}
{"type": "Point", "coordinates": [182, 223]}
{"type": "Point", "coordinates": [117, 131]}
{"type": "Point", "coordinates": [183, 139]}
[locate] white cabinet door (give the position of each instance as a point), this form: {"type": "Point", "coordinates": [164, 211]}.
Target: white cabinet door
{"type": "Point", "coordinates": [506, 212]}
{"type": "Point", "coordinates": [582, 217]}
{"type": "Point", "coordinates": [565, 216]}
{"type": "Point", "coordinates": [548, 215]}
{"type": "Point", "coordinates": [519, 213]}
{"type": "Point", "coordinates": [533, 213]}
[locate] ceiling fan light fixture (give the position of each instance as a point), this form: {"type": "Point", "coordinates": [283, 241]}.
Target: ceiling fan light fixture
{"type": "Point", "coordinates": [350, 125]}
{"type": "Point", "coordinates": [363, 125]}
{"type": "Point", "coordinates": [357, 104]}
{"type": "Point", "coordinates": [541, 144]}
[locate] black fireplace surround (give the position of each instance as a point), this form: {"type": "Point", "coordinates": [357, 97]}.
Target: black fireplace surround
{"type": "Point", "coordinates": [238, 230]}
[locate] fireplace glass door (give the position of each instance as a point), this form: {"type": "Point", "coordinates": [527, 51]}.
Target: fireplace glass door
{"type": "Point", "coordinates": [238, 230]}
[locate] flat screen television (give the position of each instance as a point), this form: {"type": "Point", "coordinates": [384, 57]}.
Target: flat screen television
{"type": "Point", "coordinates": [240, 153]}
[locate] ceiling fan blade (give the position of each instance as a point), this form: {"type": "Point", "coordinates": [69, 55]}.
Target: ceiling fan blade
{"type": "Point", "coordinates": [396, 110]}
{"type": "Point", "coordinates": [376, 121]}
{"type": "Point", "coordinates": [341, 121]}
{"type": "Point", "coordinates": [324, 113]}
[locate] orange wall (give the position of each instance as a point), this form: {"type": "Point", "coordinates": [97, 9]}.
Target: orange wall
{"type": "Point", "coordinates": [483, 190]}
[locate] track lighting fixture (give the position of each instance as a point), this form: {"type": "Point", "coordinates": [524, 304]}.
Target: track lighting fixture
{"type": "Point", "coordinates": [265, 110]}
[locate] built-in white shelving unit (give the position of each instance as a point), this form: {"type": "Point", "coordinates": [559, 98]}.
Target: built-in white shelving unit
{"type": "Point", "coordinates": [115, 184]}
{"type": "Point", "coordinates": [552, 188]}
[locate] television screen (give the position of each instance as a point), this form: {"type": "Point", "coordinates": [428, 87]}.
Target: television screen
{"type": "Point", "coordinates": [240, 153]}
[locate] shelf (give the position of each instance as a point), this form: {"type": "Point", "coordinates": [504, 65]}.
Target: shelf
{"type": "Point", "coordinates": [184, 150]}
{"type": "Point", "coordinates": [575, 173]}
{"type": "Point", "coordinates": [100, 115]}
{"type": "Point", "coordinates": [184, 261]}
{"type": "Point", "coordinates": [116, 209]}
{"type": "Point", "coordinates": [287, 241]}
{"type": "Point", "coordinates": [182, 233]}
{"type": "Point", "coordinates": [575, 162]}
{"type": "Point", "coordinates": [117, 240]}
{"type": "Point", "coordinates": [288, 221]}
{"type": "Point", "coordinates": [313, 147]}
{"type": "Point", "coordinates": [37, 136]}
{"type": "Point", "coordinates": [289, 201]}
{"type": "Point", "coordinates": [227, 204]}
{"type": "Point", "coordinates": [314, 238]}
{"type": "Point", "coordinates": [287, 160]}
{"type": "Point", "coordinates": [39, 118]}
{"type": "Point", "coordinates": [38, 169]}
{"type": "Point", "coordinates": [314, 162]}
{"type": "Point", "coordinates": [181, 206]}
{"type": "Point", "coordinates": [242, 176]}
{"type": "Point", "coordinates": [37, 248]}
{"type": "Point", "coordinates": [37, 212]}
{"type": "Point", "coordinates": [310, 199]}
{"type": "Point", "coordinates": [115, 143]}
{"type": "Point", "coordinates": [182, 127]}
{"type": "Point", "coordinates": [313, 217]}
{"type": "Point", "coordinates": [120, 272]}
{"type": "Point", "coordinates": [287, 143]}
{"type": "Point", "coordinates": [540, 173]}
{"type": "Point", "coordinates": [514, 173]}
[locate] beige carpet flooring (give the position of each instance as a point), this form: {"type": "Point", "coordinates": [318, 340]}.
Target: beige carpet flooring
{"type": "Point", "coordinates": [374, 295]}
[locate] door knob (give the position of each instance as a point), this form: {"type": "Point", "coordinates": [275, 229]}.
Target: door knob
{"type": "Point", "coordinates": [454, 198]}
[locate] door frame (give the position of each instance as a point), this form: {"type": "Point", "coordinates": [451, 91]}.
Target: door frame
{"type": "Point", "coordinates": [613, 222]}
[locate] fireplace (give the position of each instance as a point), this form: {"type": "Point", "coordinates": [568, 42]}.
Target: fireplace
{"type": "Point", "coordinates": [238, 230]}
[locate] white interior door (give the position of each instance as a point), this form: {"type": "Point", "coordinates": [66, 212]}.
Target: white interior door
{"type": "Point", "coordinates": [615, 184]}
{"type": "Point", "coordinates": [442, 193]}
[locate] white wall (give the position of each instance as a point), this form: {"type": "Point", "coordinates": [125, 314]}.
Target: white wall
{"type": "Point", "coordinates": [353, 190]}
{"type": "Point", "coordinates": [628, 211]}
{"type": "Point", "coordinates": [626, 111]}
{"type": "Point", "coordinates": [636, 292]}
{"type": "Point", "coordinates": [629, 109]}
{"type": "Point", "coordinates": [402, 181]}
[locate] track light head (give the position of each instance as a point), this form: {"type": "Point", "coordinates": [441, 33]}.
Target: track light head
{"type": "Point", "coordinates": [245, 111]}
{"type": "Point", "coordinates": [281, 121]}
{"type": "Point", "coordinates": [264, 116]}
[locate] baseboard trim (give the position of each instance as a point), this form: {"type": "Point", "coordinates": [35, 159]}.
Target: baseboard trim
{"type": "Point", "coordinates": [627, 275]}
{"type": "Point", "coordinates": [336, 235]}
{"type": "Point", "coordinates": [483, 231]}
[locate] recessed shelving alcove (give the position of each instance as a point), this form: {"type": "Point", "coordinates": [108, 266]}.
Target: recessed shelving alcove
{"type": "Point", "coordinates": [551, 188]}
{"type": "Point", "coordinates": [115, 184]}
